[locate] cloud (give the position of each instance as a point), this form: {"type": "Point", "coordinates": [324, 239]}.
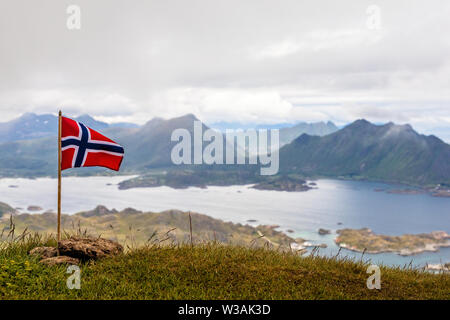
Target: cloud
{"type": "Point", "coordinates": [257, 60]}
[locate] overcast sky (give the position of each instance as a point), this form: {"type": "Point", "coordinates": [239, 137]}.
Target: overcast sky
{"type": "Point", "coordinates": [248, 61]}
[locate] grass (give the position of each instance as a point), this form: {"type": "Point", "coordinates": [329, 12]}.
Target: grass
{"type": "Point", "coordinates": [208, 271]}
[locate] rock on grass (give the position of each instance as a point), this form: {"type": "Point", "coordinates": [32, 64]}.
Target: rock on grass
{"type": "Point", "coordinates": [44, 252]}
{"type": "Point", "coordinates": [89, 248]}
{"type": "Point", "coordinates": [59, 260]}
{"type": "Point", "coordinates": [74, 250]}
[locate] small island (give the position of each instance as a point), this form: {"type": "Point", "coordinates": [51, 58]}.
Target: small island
{"type": "Point", "coordinates": [441, 193]}
{"type": "Point", "coordinates": [34, 208]}
{"type": "Point", "coordinates": [438, 267]}
{"type": "Point", "coordinates": [364, 240]}
{"type": "Point", "coordinates": [406, 191]}
{"type": "Point", "coordinates": [283, 183]}
{"type": "Point", "coordinates": [323, 232]}
{"type": "Point", "coordinates": [183, 178]}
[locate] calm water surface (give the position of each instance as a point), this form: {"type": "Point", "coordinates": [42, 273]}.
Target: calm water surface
{"type": "Point", "coordinates": [354, 204]}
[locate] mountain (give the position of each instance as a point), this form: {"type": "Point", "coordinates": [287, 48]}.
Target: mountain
{"type": "Point", "coordinates": [362, 150]}
{"type": "Point", "coordinates": [123, 125]}
{"type": "Point", "coordinates": [29, 158]}
{"type": "Point", "coordinates": [150, 146]}
{"type": "Point", "coordinates": [100, 125]}
{"type": "Point", "coordinates": [33, 126]}
{"type": "Point", "coordinates": [288, 134]}
{"type": "Point", "coordinates": [224, 125]}
{"type": "Point", "coordinates": [442, 132]}
{"type": "Point", "coordinates": [6, 209]}
{"type": "Point", "coordinates": [146, 147]}
{"type": "Point", "coordinates": [137, 226]}
{"type": "Point", "coordinates": [91, 122]}
{"type": "Point", "coordinates": [28, 126]}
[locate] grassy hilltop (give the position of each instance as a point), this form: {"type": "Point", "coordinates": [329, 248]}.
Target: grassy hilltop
{"type": "Point", "coordinates": [209, 271]}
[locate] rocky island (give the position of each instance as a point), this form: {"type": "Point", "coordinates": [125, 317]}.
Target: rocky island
{"type": "Point", "coordinates": [184, 178]}
{"type": "Point", "coordinates": [284, 183]}
{"type": "Point", "coordinates": [34, 208]}
{"type": "Point", "coordinates": [323, 232]}
{"type": "Point", "coordinates": [441, 267]}
{"type": "Point", "coordinates": [364, 240]}
{"type": "Point", "coordinates": [406, 191]}
{"type": "Point", "coordinates": [441, 192]}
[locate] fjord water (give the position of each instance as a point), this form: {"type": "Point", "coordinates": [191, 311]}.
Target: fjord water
{"type": "Point", "coordinates": [353, 204]}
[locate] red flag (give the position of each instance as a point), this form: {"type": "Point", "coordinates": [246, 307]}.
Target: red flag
{"type": "Point", "coordinates": [84, 147]}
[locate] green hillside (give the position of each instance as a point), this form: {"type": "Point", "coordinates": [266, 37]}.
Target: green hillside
{"type": "Point", "coordinates": [146, 148]}
{"type": "Point", "coordinates": [5, 208]}
{"type": "Point", "coordinates": [225, 261]}
{"type": "Point", "coordinates": [288, 134]}
{"type": "Point", "coordinates": [391, 153]}
{"type": "Point", "coordinates": [394, 153]}
{"type": "Point", "coordinates": [131, 227]}
{"type": "Point", "coordinates": [150, 146]}
{"type": "Point", "coordinates": [209, 271]}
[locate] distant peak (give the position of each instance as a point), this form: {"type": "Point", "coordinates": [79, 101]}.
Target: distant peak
{"type": "Point", "coordinates": [405, 126]}
{"type": "Point", "coordinates": [98, 211]}
{"type": "Point", "coordinates": [28, 115]}
{"type": "Point", "coordinates": [360, 123]}
{"type": "Point", "coordinates": [304, 137]}
{"type": "Point", "coordinates": [331, 124]}
{"type": "Point", "coordinates": [189, 116]}
{"type": "Point", "coordinates": [130, 211]}
{"type": "Point", "coordinates": [405, 130]}
{"type": "Point", "coordinates": [85, 117]}
{"type": "Point", "coordinates": [390, 127]}
{"type": "Point", "coordinates": [154, 121]}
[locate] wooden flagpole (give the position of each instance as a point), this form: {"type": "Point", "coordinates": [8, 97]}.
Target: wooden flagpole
{"type": "Point", "coordinates": [59, 174]}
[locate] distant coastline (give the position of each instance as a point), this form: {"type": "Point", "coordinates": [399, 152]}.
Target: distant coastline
{"type": "Point", "coordinates": [301, 212]}
{"type": "Point", "coordinates": [364, 240]}
{"type": "Point", "coordinates": [288, 182]}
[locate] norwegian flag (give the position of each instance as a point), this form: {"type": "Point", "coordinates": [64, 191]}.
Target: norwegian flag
{"type": "Point", "coordinates": [83, 147]}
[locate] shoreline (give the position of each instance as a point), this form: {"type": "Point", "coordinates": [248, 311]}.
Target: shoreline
{"type": "Point", "coordinates": [402, 252]}
{"type": "Point", "coordinates": [398, 188]}
{"type": "Point", "coordinates": [293, 213]}
{"type": "Point", "coordinates": [365, 241]}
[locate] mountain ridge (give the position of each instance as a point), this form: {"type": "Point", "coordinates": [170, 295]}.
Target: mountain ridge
{"type": "Point", "coordinates": [288, 131]}
{"type": "Point", "coordinates": [34, 126]}
{"type": "Point", "coordinates": [362, 150]}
